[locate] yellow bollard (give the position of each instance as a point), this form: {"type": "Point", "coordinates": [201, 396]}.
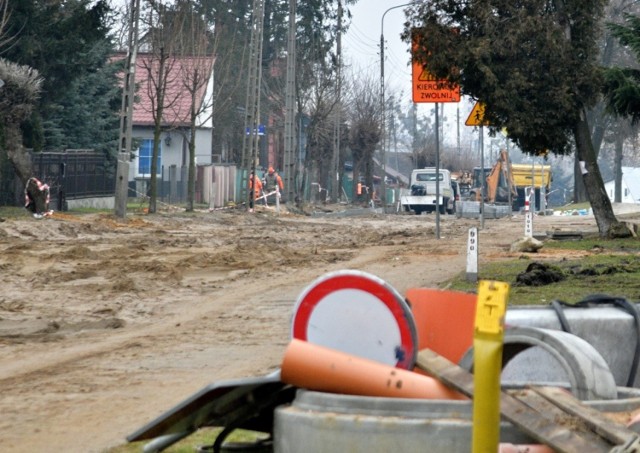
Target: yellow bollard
{"type": "Point", "coordinates": [487, 364]}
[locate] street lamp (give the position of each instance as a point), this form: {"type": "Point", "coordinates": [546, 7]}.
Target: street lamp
{"type": "Point", "coordinates": [384, 132]}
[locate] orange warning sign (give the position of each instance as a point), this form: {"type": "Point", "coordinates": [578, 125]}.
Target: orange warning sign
{"type": "Point", "coordinates": [476, 117]}
{"type": "Point", "coordinates": [426, 88]}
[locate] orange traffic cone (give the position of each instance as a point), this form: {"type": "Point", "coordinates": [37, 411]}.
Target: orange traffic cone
{"type": "Point", "coordinates": [327, 370]}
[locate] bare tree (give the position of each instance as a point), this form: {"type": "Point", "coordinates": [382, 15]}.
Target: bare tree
{"type": "Point", "coordinates": [159, 65]}
{"type": "Point", "coordinates": [196, 66]}
{"type": "Point", "coordinates": [321, 105]}
{"type": "Point", "coordinates": [120, 23]}
{"type": "Point", "coordinates": [365, 128]}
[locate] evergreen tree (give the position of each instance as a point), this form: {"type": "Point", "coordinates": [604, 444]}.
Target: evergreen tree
{"type": "Point", "coordinates": [67, 42]}
{"type": "Point", "coordinates": [533, 63]}
{"type": "Point", "coordinates": [622, 85]}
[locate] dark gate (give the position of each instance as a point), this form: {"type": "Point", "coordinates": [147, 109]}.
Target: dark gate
{"type": "Point", "coordinates": [74, 174]}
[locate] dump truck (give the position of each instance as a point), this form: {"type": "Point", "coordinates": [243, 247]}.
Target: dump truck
{"type": "Point", "coordinates": [421, 195]}
{"type": "Point", "coordinates": [528, 175]}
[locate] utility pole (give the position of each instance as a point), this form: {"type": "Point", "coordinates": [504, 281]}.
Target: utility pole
{"type": "Point", "coordinates": [250, 140]}
{"type": "Point", "coordinates": [458, 127]}
{"type": "Point", "coordinates": [383, 195]}
{"type": "Point", "coordinates": [290, 113]}
{"type": "Point", "coordinates": [126, 115]}
{"type": "Point", "coordinates": [335, 168]}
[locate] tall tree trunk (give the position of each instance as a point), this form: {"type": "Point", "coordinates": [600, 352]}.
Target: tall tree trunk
{"type": "Point", "coordinates": [16, 153]}
{"type": "Point", "coordinates": [618, 169]}
{"type": "Point", "coordinates": [153, 180]}
{"type": "Point", "coordinates": [355, 197]}
{"type": "Point", "coordinates": [579, 190]}
{"type": "Point", "coordinates": [600, 122]}
{"type": "Point", "coordinates": [191, 192]}
{"type": "Point", "coordinates": [608, 225]}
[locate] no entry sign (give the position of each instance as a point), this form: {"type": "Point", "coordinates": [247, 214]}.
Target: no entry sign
{"type": "Point", "coordinates": [357, 313]}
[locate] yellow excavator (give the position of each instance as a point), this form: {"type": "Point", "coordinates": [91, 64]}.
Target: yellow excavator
{"type": "Point", "coordinates": [499, 186]}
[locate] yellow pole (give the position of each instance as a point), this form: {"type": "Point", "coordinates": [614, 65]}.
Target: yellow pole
{"type": "Point", "coordinates": [487, 364]}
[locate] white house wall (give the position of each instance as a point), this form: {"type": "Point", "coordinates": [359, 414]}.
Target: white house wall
{"type": "Point", "coordinates": [203, 146]}
{"type": "Point", "coordinates": [176, 152]}
{"type": "Point", "coordinates": [205, 118]}
{"type": "Point", "coordinates": [630, 186]}
{"type": "Point", "coordinates": [610, 187]}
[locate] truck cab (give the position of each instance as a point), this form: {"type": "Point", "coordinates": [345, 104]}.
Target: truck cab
{"type": "Point", "coordinates": [422, 197]}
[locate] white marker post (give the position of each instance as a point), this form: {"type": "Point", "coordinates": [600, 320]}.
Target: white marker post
{"type": "Point", "coordinates": [528, 216]}
{"type": "Point", "coordinates": [472, 255]}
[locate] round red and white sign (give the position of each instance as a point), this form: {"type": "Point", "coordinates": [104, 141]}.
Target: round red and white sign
{"type": "Point", "coordinates": [357, 313]}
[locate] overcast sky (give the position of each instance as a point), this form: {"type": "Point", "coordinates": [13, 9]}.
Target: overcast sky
{"type": "Point", "coordinates": [362, 42]}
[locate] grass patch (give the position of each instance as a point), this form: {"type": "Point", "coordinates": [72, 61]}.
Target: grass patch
{"type": "Point", "coordinates": [595, 243]}
{"type": "Point", "coordinates": [614, 270]}
{"type": "Point", "coordinates": [572, 206]}
{"type": "Point", "coordinates": [13, 212]}
{"type": "Point", "coordinates": [202, 437]}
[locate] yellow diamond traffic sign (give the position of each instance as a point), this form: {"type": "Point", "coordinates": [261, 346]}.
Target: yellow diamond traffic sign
{"type": "Point", "coordinates": [476, 117]}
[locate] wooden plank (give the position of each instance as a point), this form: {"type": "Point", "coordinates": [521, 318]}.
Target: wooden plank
{"type": "Point", "coordinates": [545, 430]}
{"type": "Point", "coordinates": [611, 430]}
{"type": "Point", "coordinates": [544, 406]}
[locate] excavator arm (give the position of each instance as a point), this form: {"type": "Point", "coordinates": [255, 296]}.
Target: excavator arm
{"type": "Point", "coordinates": [500, 181]}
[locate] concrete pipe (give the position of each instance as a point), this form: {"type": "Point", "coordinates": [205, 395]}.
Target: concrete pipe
{"type": "Point", "coordinates": [533, 355]}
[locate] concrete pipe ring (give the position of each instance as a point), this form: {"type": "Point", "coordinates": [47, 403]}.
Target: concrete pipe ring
{"type": "Point", "coordinates": [589, 375]}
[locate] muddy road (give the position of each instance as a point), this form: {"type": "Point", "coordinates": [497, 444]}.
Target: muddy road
{"type": "Point", "coordinates": [106, 324]}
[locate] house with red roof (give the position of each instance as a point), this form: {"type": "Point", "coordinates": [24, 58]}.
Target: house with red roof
{"type": "Point", "coordinates": [188, 81]}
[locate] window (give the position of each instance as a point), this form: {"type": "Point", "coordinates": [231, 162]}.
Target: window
{"type": "Point", "coordinates": [626, 192]}
{"type": "Point", "coordinates": [428, 177]}
{"type": "Point", "coordinates": [145, 153]}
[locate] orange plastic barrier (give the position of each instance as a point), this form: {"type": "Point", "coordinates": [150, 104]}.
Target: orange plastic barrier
{"type": "Point", "coordinates": [444, 320]}
{"type": "Point", "coordinates": [322, 369]}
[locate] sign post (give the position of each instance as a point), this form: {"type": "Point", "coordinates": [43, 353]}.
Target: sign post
{"type": "Point", "coordinates": [426, 88]}
{"type": "Point", "coordinates": [476, 118]}
{"type": "Point", "coordinates": [528, 214]}
{"type": "Point", "coordinates": [472, 255]}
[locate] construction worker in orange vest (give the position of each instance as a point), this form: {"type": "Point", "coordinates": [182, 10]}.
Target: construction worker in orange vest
{"type": "Point", "coordinates": [272, 182]}
{"type": "Point", "coordinates": [257, 190]}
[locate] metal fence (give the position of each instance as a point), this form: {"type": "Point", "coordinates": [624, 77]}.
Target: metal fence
{"type": "Point", "coordinates": [74, 174]}
{"type": "Point", "coordinates": [216, 185]}
{"type": "Point", "coordinates": [171, 185]}
{"type": "Point", "coordinates": [78, 174]}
